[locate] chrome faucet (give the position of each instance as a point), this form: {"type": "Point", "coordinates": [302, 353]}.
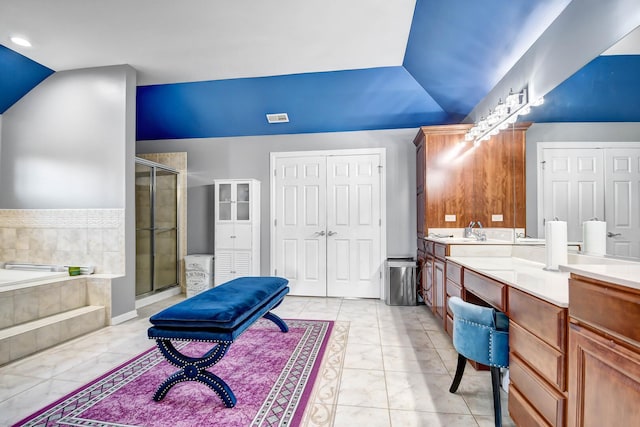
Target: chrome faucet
{"type": "Point", "coordinates": [470, 232]}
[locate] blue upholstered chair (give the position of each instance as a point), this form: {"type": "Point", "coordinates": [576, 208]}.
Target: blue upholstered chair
{"type": "Point", "coordinates": [480, 334]}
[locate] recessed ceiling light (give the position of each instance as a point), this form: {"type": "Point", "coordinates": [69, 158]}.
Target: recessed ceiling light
{"type": "Point", "coordinates": [21, 41]}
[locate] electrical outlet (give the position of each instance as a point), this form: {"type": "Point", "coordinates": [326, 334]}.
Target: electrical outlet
{"type": "Point", "coordinates": [496, 218]}
{"type": "Point", "coordinates": [449, 218]}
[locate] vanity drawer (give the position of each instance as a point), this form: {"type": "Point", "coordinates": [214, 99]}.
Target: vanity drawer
{"type": "Point", "coordinates": [489, 290]}
{"type": "Point", "coordinates": [453, 290]}
{"type": "Point", "coordinates": [522, 413]}
{"type": "Point", "coordinates": [546, 321]}
{"type": "Point", "coordinates": [454, 272]}
{"type": "Point", "coordinates": [428, 247]}
{"type": "Point", "coordinates": [616, 310]}
{"type": "Point", "coordinates": [548, 362]}
{"type": "Point", "coordinates": [548, 402]}
{"type": "Point", "coordinates": [440, 250]}
{"type": "Point", "coordinates": [448, 325]}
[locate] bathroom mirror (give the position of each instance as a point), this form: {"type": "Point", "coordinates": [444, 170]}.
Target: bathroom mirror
{"type": "Point", "coordinates": [592, 145]}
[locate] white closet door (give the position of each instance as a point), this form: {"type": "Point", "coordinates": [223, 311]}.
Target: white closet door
{"type": "Point", "coordinates": [623, 201]}
{"type": "Point", "coordinates": [300, 231]}
{"type": "Point", "coordinates": [573, 187]}
{"type": "Point", "coordinates": [353, 226]}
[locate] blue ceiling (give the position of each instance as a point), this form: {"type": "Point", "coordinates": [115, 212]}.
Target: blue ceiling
{"type": "Point", "coordinates": [18, 75]}
{"type": "Point", "coordinates": [452, 60]}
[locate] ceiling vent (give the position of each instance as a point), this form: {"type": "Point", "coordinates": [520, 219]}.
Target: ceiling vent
{"type": "Point", "coordinates": [278, 118]}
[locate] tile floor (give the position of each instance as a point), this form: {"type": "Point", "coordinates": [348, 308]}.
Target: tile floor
{"type": "Point", "coordinates": [398, 366]}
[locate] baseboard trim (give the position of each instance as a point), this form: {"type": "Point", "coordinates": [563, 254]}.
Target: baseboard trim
{"type": "Point", "coordinates": [124, 317]}
{"type": "Point", "coordinates": [148, 300]}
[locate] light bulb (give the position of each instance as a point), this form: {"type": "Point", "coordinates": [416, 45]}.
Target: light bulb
{"type": "Point", "coordinates": [21, 41]}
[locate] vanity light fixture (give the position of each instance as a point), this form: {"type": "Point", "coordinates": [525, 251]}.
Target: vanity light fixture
{"type": "Point", "coordinates": [20, 41]}
{"type": "Point", "coordinates": [504, 114]}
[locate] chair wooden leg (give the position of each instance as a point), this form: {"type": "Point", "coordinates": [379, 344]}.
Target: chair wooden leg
{"type": "Point", "coordinates": [495, 385]}
{"type": "Point", "coordinates": [462, 362]}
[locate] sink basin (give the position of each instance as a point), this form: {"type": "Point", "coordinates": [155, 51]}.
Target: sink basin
{"type": "Point", "coordinates": [457, 239]}
{"type": "Point", "coordinates": [530, 240]}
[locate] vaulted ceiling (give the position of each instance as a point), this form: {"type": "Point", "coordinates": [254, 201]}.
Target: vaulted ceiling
{"type": "Point", "coordinates": [211, 69]}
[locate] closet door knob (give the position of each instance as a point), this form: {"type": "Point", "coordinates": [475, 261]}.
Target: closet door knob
{"type": "Point", "coordinates": [331, 233]}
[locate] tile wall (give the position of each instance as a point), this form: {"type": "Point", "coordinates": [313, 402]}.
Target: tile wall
{"type": "Point", "coordinates": [65, 237]}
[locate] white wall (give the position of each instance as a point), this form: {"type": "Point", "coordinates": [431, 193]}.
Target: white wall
{"type": "Point", "coordinates": [248, 157]}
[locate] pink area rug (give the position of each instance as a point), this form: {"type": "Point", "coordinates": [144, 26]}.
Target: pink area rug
{"type": "Point", "coordinates": [270, 372]}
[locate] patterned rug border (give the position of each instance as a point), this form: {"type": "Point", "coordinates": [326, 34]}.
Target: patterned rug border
{"type": "Point", "coordinates": [329, 347]}
{"type": "Point", "coordinates": [321, 407]}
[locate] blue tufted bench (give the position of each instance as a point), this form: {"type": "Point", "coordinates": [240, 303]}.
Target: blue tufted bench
{"type": "Point", "coordinates": [218, 315]}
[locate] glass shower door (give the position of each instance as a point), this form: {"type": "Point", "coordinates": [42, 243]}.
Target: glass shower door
{"type": "Point", "coordinates": [156, 227]}
{"type": "Point", "coordinates": [144, 229]}
{"type": "Point", "coordinates": [166, 229]}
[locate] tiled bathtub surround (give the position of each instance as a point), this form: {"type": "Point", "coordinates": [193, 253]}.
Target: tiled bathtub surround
{"type": "Point", "coordinates": [64, 236]}
{"type": "Point", "coordinates": [37, 316]}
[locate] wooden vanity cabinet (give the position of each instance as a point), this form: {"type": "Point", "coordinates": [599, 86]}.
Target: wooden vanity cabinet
{"type": "Point", "coordinates": [453, 287]}
{"type": "Point", "coordinates": [420, 259]}
{"type": "Point", "coordinates": [537, 360]}
{"type": "Point", "coordinates": [453, 189]}
{"type": "Point", "coordinates": [444, 187]}
{"type": "Point", "coordinates": [426, 280]}
{"type": "Point", "coordinates": [439, 280]}
{"type": "Point", "coordinates": [604, 354]}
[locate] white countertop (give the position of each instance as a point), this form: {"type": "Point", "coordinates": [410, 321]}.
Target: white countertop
{"type": "Point", "coordinates": [621, 274]}
{"type": "Point", "coordinates": [528, 276]}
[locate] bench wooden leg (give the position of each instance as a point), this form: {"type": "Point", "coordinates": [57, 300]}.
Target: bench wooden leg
{"type": "Point", "coordinates": [194, 369]}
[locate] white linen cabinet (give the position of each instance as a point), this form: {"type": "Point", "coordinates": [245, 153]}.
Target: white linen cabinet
{"type": "Point", "coordinates": [237, 229]}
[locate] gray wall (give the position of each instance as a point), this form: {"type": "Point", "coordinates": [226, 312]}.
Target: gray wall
{"type": "Point", "coordinates": [567, 132]}
{"type": "Point", "coordinates": [248, 157]}
{"type": "Point", "coordinates": [70, 144]}
{"type": "Point", "coordinates": [63, 144]}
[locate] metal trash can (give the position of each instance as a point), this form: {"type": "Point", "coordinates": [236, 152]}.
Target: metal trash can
{"type": "Point", "coordinates": [198, 270]}
{"type": "Point", "coordinates": [400, 281]}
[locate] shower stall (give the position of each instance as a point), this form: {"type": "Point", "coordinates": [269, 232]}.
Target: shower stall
{"type": "Point", "coordinates": [156, 227]}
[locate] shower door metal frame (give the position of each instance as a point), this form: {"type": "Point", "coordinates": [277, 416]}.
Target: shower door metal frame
{"type": "Point", "coordinates": [153, 229]}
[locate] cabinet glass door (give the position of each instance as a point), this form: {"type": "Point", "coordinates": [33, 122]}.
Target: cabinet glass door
{"type": "Point", "coordinates": [224, 202]}
{"type": "Point", "coordinates": [242, 205]}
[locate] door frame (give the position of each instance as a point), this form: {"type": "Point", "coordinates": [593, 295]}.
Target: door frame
{"type": "Point", "coordinates": [382, 152]}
